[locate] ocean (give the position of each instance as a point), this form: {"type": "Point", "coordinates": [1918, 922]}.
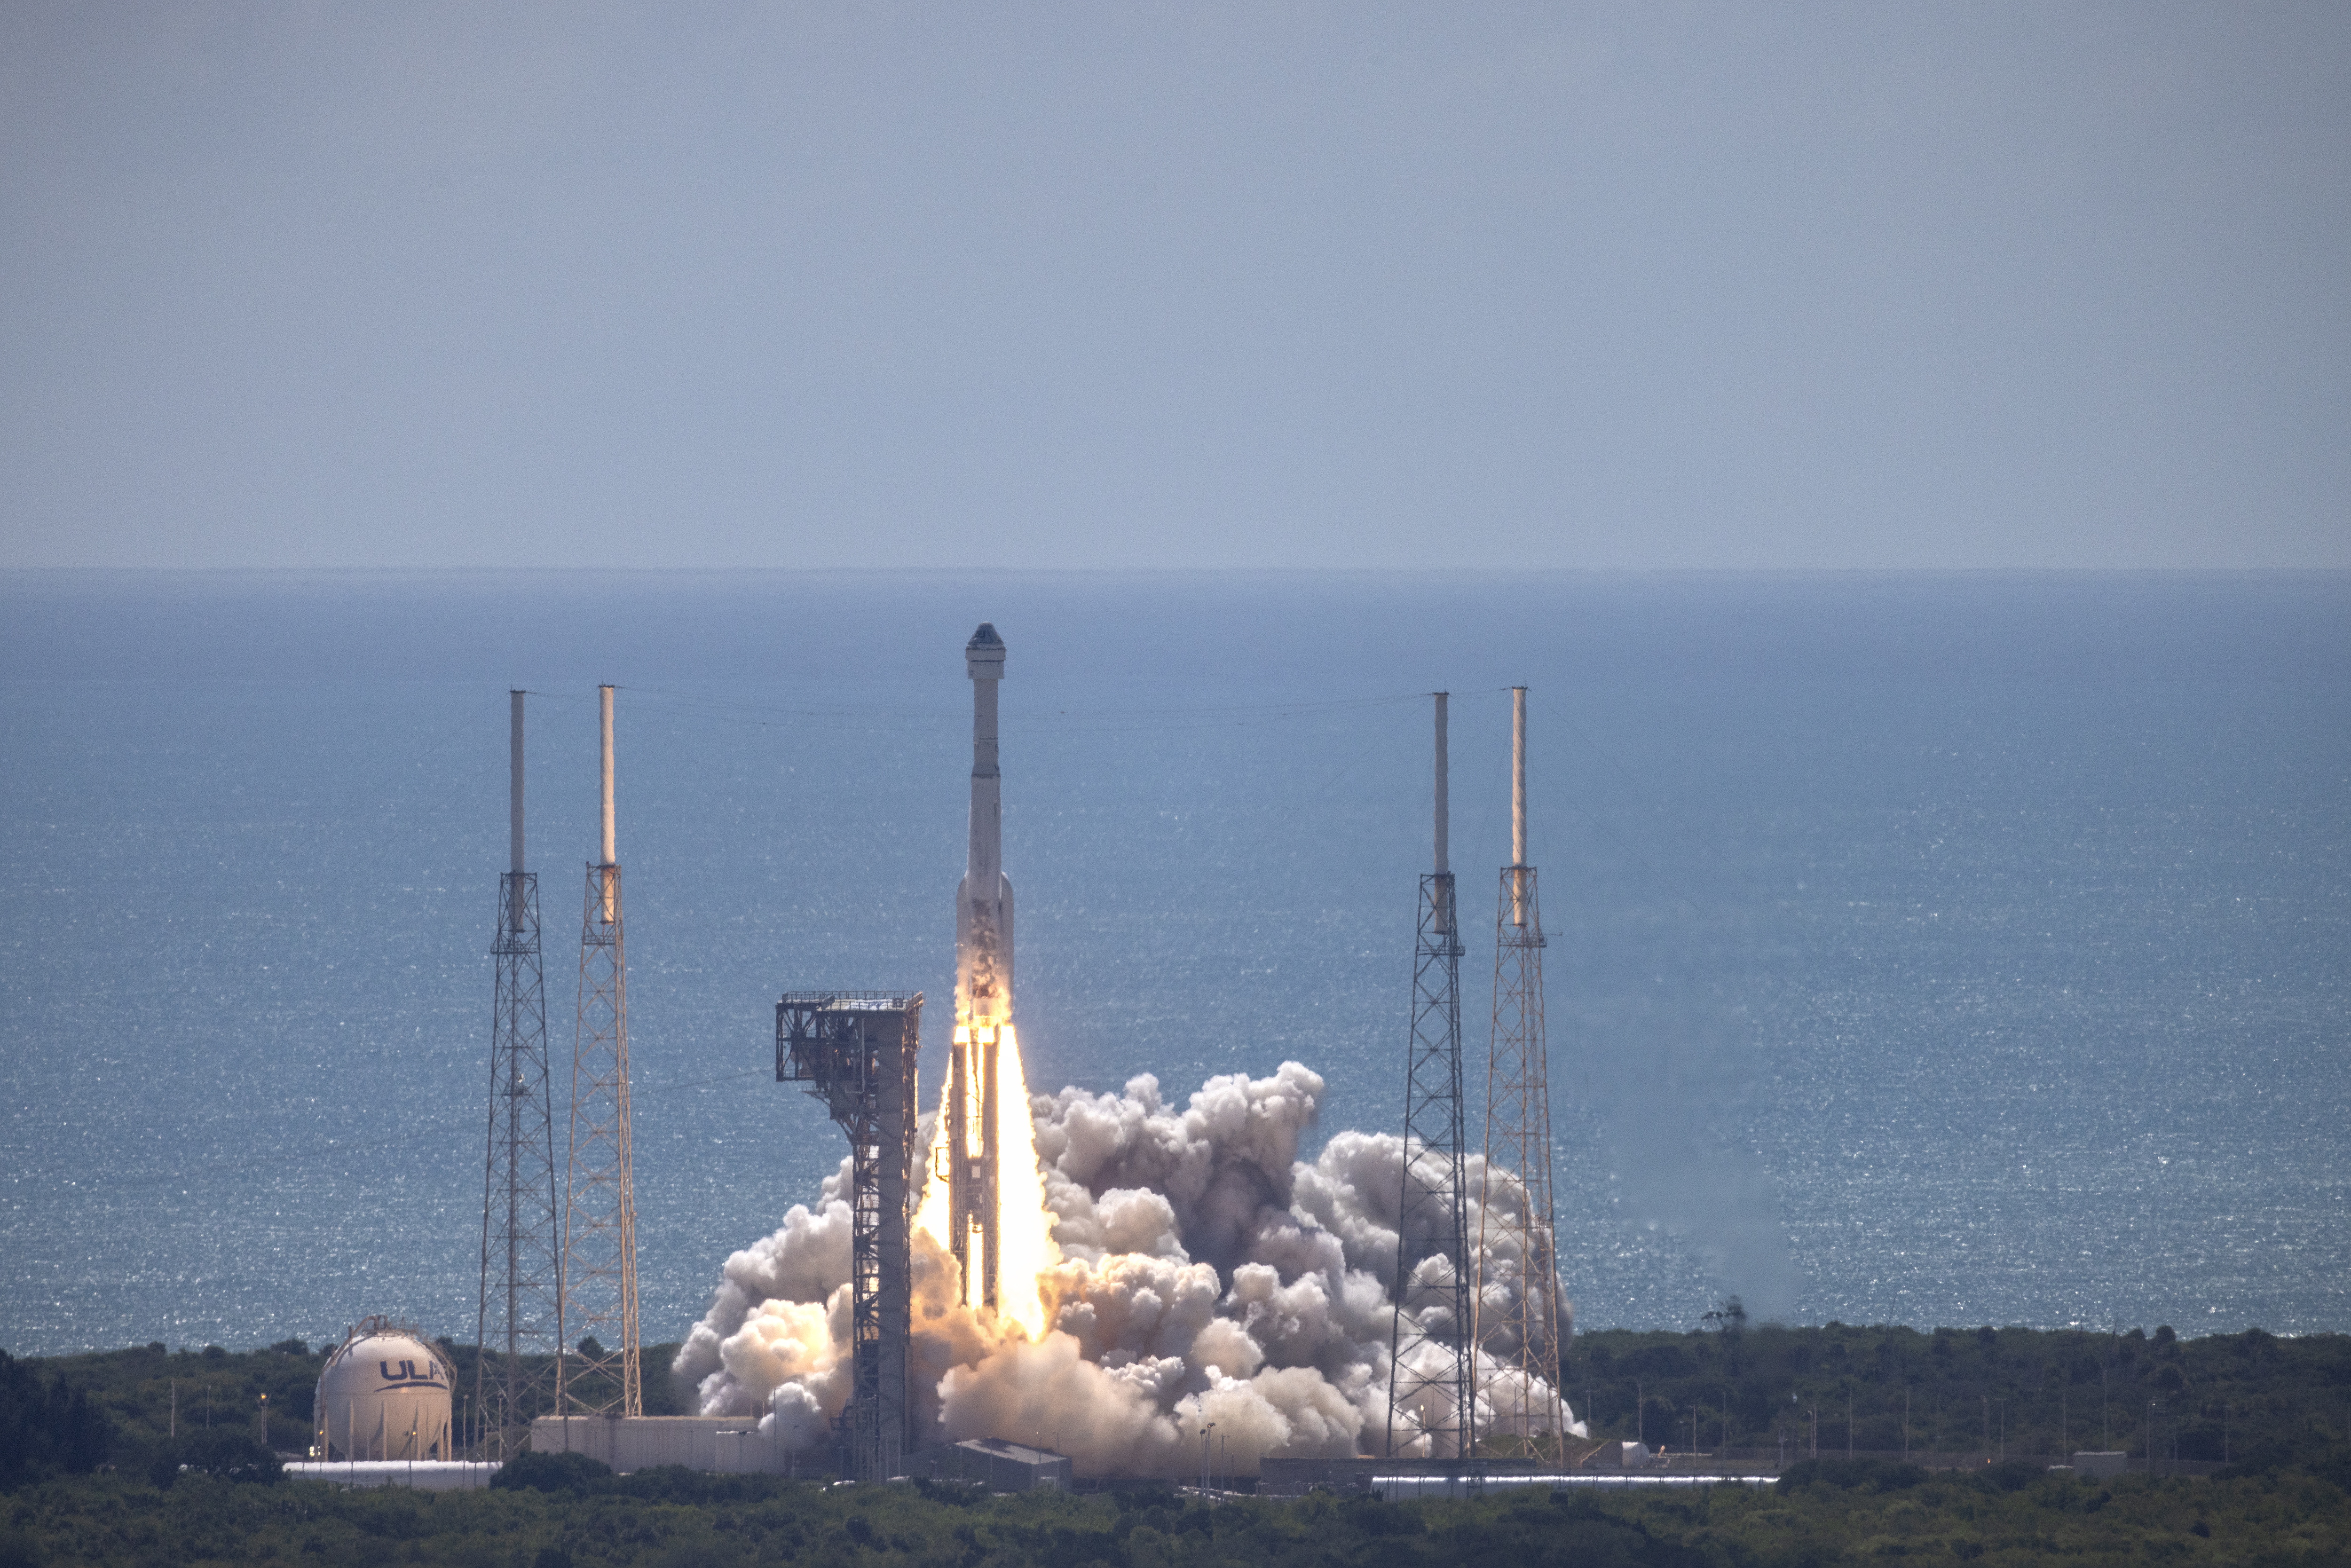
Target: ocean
{"type": "Point", "coordinates": [1923, 949]}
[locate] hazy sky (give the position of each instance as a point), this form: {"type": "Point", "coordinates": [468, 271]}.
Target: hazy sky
{"type": "Point", "coordinates": [1658, 284]}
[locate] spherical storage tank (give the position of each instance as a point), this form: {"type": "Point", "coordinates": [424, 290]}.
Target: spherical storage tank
{"type": "Point", "coordinates": [384, 1394]}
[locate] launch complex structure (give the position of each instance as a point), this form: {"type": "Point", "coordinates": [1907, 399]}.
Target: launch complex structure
{"type": "Point", "coordinates": [856, 1050]}
{"type": "Point", "coordinates": [1448, 1354]}
{"type": "Point", "coordinates": [1431, 1358]}
{"type": "Point", "coordinates": [1519, 1344]}
{"type": "Point", "coordinates": [520, 1327]}
{"type": "Point", "coordinates": [597, 1372]}
{"type": "Point", "coordinates": [558, 1320]}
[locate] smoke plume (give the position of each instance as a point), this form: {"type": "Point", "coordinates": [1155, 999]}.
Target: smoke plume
{"type": "Point", "coordinates": [1206, 1274]}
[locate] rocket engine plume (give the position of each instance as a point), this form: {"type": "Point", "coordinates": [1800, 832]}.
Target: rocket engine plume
{"type": "Point", "coordinates": [1198, 1272]}
{"type": "Point", "coordinates": [1143, 1271]}
{"type": "Point", "coordinates": [1024, 1227]}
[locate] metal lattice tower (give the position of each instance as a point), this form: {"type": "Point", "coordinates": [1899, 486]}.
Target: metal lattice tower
{"type": "Point", "coordinates": [520, 1326]}
{"type": "Point", "coordinates": [1429, 1347]}
{"type": "Point", "coordinates": [857, 1051]}
{"type": "Point", "coordinates": [600, 1215]}
{"type": "Point", "coordinates": [1519, 1346]}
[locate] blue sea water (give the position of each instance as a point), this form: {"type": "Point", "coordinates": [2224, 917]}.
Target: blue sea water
{"type": "Point", "coordinates": [1932, 949]}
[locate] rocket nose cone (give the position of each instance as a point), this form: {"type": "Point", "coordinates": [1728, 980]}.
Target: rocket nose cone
{"type": "Point", "coordinates": [986, 637]}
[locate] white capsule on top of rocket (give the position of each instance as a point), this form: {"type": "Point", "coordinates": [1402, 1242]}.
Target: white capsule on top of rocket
{"type": "Point", "coordinates": [984, 899]}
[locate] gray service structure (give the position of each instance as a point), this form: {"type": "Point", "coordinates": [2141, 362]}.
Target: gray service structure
{"type": "Point", "coordinates": [856, 1050]}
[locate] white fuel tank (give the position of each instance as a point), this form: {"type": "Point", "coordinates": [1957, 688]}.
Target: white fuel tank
{"type": "Point", "coordinates": [384, 1394]}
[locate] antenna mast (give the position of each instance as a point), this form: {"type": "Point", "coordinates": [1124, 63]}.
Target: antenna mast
{"type": "Point", "coordinates": [599, 1221]}
{"type": "Point", "coordinates": [1430, 1349]}
{"type": "Point", "coordinates": [1519, 1345]}
{"type": "Point", "coordinates": [521, 1307]}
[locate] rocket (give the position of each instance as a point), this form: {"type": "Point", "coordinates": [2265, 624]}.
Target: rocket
{"type": "Point", "coordinates": [983, 988]}
{"type": "Point", "coordinates": [984, 898]}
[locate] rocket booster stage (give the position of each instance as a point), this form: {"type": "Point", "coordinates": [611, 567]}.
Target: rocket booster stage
{"type": "Point", "coordinates": [983, 988]}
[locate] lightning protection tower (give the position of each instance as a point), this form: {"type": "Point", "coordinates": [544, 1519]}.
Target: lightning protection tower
{"type": "Point", "coordinates": [1518, 1346]}
{"type": "Point", "coordinates": [520, 1325]}
{"type": "Point", "coordinates": [1430, 1351]}
{"type": "Point", "coordinates": [856, 1052]}
{"type": "Point", "coordinates": [597, 1374]}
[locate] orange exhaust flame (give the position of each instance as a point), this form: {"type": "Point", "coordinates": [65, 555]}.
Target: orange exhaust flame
{"type": "Point", "coordinates": [1024, 1225]}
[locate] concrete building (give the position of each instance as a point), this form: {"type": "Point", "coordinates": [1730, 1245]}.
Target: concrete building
{"type": "Point", "coordinates": [728, 1445]}
{"type": "Point", "coordinates": [997, 1465]}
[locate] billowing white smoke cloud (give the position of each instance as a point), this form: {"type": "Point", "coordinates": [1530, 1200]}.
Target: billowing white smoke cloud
{"type": "Point", "coordinates": [1207, 1275]}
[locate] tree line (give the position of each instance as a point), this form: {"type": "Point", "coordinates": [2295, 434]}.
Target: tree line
{"type": "Point", "coordinates": [2026, 1392]}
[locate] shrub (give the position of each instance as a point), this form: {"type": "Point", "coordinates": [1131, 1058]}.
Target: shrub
{"type": "Point", "coordinates": [1852, 1475]}
{"type": "Point", "coordinates": [232, 1456]}
{"type": "Point", "coordinates": [2010, 1474]}
{"type": "Point", "coordinates": [676, 1483]}
{"type": "Point", "coordinates": [551, 1472]}
{"type": "Point", "coordinates": [46, 1427]}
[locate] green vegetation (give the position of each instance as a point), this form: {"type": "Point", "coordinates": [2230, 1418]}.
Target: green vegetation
{"type": "Point", "coordinates": [94, 1477]}
{"type": "Point", "coordinates": [142, 1393]}
{"type": "Point", "coordinates": [48, 1427]}
{"type": "Point", "coordinates": [673, 1517]}
{"type": "Point", "coordinates": [2225, 1397]}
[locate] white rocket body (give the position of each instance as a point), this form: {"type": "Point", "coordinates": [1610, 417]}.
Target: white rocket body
{"type": "Point", "coordinates": [983, 994]}
{"type": "Point", "coordinates": [984, 897]}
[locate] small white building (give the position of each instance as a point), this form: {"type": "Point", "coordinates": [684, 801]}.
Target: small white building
{"type": "Point", "coordinates": [424, 1475]}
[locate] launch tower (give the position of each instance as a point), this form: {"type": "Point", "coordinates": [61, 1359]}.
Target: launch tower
{"type": "Point", "coordinates": [983, 991]}
{"type": "Point", "coordinates": [856, 1049]}
{"type": "Point", "coordinates": [1519, 1345]}
{"type": "Point", "coordinates": [522, 1311]}
{"type": "Point", "coordinates": [1430, 1359]}
{"type": "Point", "coordinates": [597, 1374]}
